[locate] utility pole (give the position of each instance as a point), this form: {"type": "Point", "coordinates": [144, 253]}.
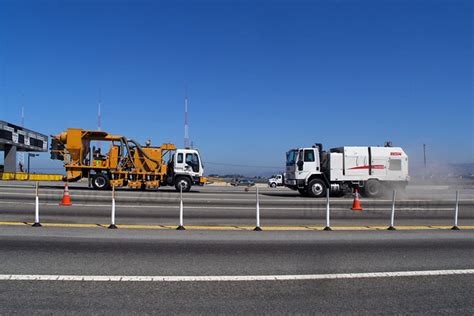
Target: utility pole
{"type": "Point", "coordinates": [186, 126]}
{"type": "Point", "coordinates": [99, 117]}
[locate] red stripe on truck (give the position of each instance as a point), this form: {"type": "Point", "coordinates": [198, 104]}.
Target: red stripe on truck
{"type": "Point", "coordinates": [367, 167]}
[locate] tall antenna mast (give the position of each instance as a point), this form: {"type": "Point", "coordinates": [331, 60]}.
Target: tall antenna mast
{"type": "Point", "coordinates": [99, 121]}
{"type": "Point", "coordinates": [99, 116]}
{"type": "Point", "coordinates": [186, 126]}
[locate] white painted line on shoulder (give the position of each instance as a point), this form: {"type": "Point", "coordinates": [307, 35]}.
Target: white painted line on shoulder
{"type": "Point", "coordinates": [117, 278]}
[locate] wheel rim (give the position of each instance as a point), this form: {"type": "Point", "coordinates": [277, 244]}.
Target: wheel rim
{"type": "Point", "coordinates": [100, 182]}
{"type": "Point", "coordinates": [317, 189]}
{"type": "Point", "coordinates": [183, 184]}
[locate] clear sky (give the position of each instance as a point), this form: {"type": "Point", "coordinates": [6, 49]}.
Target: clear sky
{"type": "Point", "coordinates": [261, 76]}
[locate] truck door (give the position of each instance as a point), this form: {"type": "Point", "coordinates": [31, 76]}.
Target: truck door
{"type": "Point", "coordinates": [310, 163]}
{"type": "Point", "coordinates": [192, 163]}
{"type": "Point", "coordinates": [179, 162]}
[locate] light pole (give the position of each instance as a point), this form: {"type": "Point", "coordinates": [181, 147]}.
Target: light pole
{"type": "Point", "coordinates": [29, 156]}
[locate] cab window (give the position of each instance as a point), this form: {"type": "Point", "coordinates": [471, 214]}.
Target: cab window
{"type": "Point", "coordinates": [193, 161]}
{"type": "Point", "coordinates": [180, 158]}
{"type": "Point", "coordinates": [309, 155]}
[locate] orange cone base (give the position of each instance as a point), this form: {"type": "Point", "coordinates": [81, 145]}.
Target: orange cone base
{"type": "Point", "coordinates": [65, 202]}
{"type": "Point", "coordinates": [357, 208]}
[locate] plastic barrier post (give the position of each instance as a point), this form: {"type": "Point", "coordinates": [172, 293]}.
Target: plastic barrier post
{"type": "Point", "coordinates": [456, 212]}
{"type": "Point", "coordinates": [181, 225]}
{"type": "Point", "coordinates": [37, 219]}
{"type": "Point", "coordinates": [112, 219]}
{"type": "Point", "coordinates": [392, 217]}
{"type": "Point", "coordinates": [257, 228]}
{"type": "Point", "coordinates": [328, 225]}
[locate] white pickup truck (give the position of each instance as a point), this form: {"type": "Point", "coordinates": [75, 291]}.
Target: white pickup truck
{"type": "Point", "coordinates": [276, 181]}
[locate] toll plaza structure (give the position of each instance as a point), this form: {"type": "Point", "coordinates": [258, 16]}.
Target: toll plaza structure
{"type": "Point", "coordinates": [15, 139]}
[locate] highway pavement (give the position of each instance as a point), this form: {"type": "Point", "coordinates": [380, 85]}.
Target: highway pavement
{"type": "Point", "coordinates": [61, 252]}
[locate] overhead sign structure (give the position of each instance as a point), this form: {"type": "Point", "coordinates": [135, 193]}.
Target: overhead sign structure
{"type": "Point", "coordinates": [15, 138]}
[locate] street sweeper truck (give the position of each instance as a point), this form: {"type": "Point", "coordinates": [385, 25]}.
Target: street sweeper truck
{"type": "Point", "coordinates": [370, 169]}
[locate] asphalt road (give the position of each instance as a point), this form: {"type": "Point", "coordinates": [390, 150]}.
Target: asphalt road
{"type": "Point", "coordinates": [90, 251]}
{"type": "Point", "coordinates": [213, 205]}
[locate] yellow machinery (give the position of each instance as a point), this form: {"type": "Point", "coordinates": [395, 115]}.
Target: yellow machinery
{"type": "Point", "coordinates": [126, 163]}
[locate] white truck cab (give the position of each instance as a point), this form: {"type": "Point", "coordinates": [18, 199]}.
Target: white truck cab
{"type": "Point", "coordinates": [276, 180]}
{"type": "Point", "coordinates": [372, 169]}
{"type": "Point", "coordinates": [186, 169]}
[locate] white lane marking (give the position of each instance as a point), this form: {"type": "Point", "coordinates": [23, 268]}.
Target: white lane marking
{"type": "Point", "coordinates": [125, 278]}
{"type": "Point", "coordinates": [307, 208]}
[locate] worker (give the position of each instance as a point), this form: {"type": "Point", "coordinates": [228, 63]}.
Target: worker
{"type": "Point", "coordinates": [97, 153]}
{"type": "Point", "coordinates": [97, 157]}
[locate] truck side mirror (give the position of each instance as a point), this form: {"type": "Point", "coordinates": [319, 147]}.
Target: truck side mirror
{"type": "Point", "coordinates": [300, 165]}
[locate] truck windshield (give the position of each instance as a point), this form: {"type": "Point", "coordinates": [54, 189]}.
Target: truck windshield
{"type": "Point", "coordinates": [291, 157]}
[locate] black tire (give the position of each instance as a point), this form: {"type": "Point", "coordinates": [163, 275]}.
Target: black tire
{"type": "Point", "coordinates": [183, 182]}
{"type": "Point", "coordinates": [303, 192]}
{"type": "Point", "coordinates": [100, 182]}
{"type": "Point", "coordinates": [316, 188]}
{"type": "Point", "coordinates": [273, 185]}
{"type": "Point", "coordinates": [373, 188]}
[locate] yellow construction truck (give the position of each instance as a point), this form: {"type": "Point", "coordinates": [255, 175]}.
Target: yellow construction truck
{"type": "Point", "coordinates": [126, 162]}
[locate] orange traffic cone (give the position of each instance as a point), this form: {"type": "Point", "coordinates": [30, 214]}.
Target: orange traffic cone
{"type": "Point", "coordinates": [66, 200]}
{"type": "Point", "coordinates": [356, 205]}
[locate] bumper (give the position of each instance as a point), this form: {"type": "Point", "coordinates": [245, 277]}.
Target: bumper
{"type": "Point", "coordinates": [295, 184]}
{"type": "Point", "coordinates": [199, 180]}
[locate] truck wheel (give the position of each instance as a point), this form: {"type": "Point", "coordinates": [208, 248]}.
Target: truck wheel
{"type": "Point", "coordinates": [100, 182]}
{"type": "Point", "coordinates": [273, 185]}
{"type": "Point", "coordinates": [316, 188]}
{"type": "Point", "coordinates": [183, 182]}
{"type": "Point", "coordinates": [373, 188]}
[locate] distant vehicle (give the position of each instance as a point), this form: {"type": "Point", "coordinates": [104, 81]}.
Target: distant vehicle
{"type": "Point", "coordinates": [243, 182]}
{"type": "Point", "coordinates": [276, 180]}
{"type": "Point", "coordinates": [372, 169]}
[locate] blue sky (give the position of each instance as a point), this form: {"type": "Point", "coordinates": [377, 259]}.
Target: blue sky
{"type": "Point", "coordinates": [261, 76]}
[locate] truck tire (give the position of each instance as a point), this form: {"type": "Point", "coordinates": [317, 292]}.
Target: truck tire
{"type": "Point", "coordinates": [183, 182]}
{"type": "Point", "coordinates": [100, 182]}
{"type": "Point", "coordinates": [373, 188]}
{"type": "Point", "coordinates": [316, 188]}
{"type": "Point", "coordinates": [273, 185]}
